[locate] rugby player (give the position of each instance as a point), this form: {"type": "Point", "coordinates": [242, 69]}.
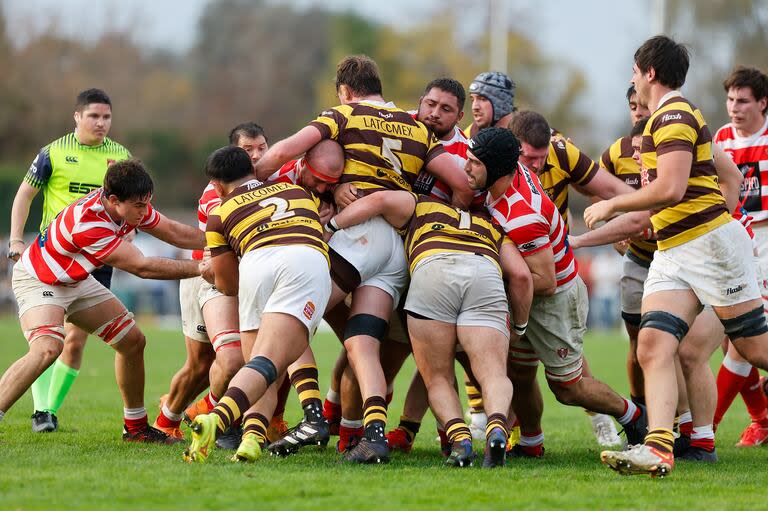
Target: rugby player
{"type": "Point", "coordinates": [745, 140]}
{"type": "Point", "coordinates": [704, 256]}
{"type": "Point", "coordinates": [493, 101]}
{"type": "Point", "coordinates": [557, 319]}
{"type": "Point", "coordinates": [53, 281]}
{"type": "Point", "coordinates": [281, 281]}
{"type": "Point", "coordinates": [385, 148]}
{"type": "Point", "coordinates": [65, 170]}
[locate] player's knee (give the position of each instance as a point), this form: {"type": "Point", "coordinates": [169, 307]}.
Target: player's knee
{"type": "Point", "coordinates": [665, 322]}
{"type": "Point", "coordinates": [567, 394]}
{"type": "Point", "coordinates": [366, 324]}
{"type": "Point", "coordinates": [230, 365]}
{"type": "Point", "coordinates": [47, 349]}
{"type": "Point", "coordinates": [749, 324]}
{"type": "Point", "coordinates": [264, 367]}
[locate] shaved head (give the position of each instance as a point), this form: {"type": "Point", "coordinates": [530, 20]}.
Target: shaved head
{"type": "Point", "coordinates": [327, 158]}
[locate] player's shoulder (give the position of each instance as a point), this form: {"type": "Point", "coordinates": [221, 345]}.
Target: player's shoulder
{"type": "Point", "coordinates": [115, 147]}
{"type": "Point", "coordinates": [725, 132]}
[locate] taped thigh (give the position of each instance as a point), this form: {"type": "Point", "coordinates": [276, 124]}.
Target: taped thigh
{"type": "Point", "coordinates": [115, 329]}
{"type": "Point", "coordinates": [665, 322]}
{"type": "Point", "coordinates": [54, 331]}
{"type": "Point", "coordinates": [226, 339]}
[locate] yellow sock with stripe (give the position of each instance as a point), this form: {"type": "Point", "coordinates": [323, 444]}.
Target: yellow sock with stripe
{"type": "Point", "coordinates": [374, 417]}
{"type": "Point", "coordinates": [304, 380]}
{"type": "Point", "coordinates": [256, 424]}
{"type": "Point", "coordinates": [475, 398]}
{"type": "Point", "coordinates": [660, 439]}
{"type": "Point", "coordinates": [230, 408]}
{"type": "Point", "coordinates": [457, 430]}
{"type": "Point", "coordinates": [497, 420]}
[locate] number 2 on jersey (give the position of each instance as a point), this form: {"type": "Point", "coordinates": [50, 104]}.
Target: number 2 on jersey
{"type": "Point", "coordinates": [281, 208]}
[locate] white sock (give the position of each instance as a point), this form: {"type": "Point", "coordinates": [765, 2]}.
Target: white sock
{"type": "Point", "coordinates": [333, 396]}
{"type": "Point", "coordinates": [346, 423]}
{"type": "Point", "coordinates": [531, 441]}
{"type": "Point", "coordinates": [170, 415]}
{"type": "Point", "coordinates": [134, 413]}
{"type": "Point", "coordinates": [685, 417]}
{"type": "Point", "coordinates": [631, 410]}
{"type": "Point", "coordinates": [736, 366]}
{"type": "Point", "coordinates": [700, 432]}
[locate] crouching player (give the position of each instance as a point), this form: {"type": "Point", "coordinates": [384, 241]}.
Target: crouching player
{"type": "Point", "coordinates": [282, 282]}
{"type": "Point", "coordinates": [53, 282]}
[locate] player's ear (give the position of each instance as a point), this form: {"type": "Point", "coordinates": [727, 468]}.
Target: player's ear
{"type": "Point", "coordinates": [345, 96]}
{"type": "Point", "coordinates": [219, 189]}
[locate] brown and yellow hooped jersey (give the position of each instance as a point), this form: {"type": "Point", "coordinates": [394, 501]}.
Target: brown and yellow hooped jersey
{"type": "Point", "coordinates": [677, 125]}
{"type": "Point", "coordinates": [565, 165]}
{"type": "Point", "coordinates": [384, 146]}
{"type": "Point", "coordinates": [437, 227]}
{"type": "Point", "coordinates": [257, 215]}
{"type": "Point", "coordinates": [617, 160]}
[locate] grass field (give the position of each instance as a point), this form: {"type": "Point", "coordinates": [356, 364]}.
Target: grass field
{"type": "Point", "coordinates": [87, 466]}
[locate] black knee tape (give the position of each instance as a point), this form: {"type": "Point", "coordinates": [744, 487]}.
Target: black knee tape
{"type": "Point", "coordinates": [749, 324]}
{"type": "Point", "coordinates": [631, 319]}
{"type": "Point", "coordinates": [264, 367]}
{"type": "Point", "coordinates": [665, 322]}
{"type": "Point", "coordinates": [366, 324]}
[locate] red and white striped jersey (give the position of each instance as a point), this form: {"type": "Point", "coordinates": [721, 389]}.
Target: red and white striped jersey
{"type": "Point", "coordinates": [288, 173]}
{"type": "Point", "coordinates": [532, 221]}
{"type": "Point", "coordinates": [208, 201]}
{"type": "Point", "coordinates": [751, 156]}
{"type": "Point", "coordinates": [76, 242]}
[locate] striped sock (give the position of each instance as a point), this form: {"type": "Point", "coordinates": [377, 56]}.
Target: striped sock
{"type": "Point", "coordinates": [661, 439]}
{"type": "Point", "coordinates": [703, 437]}
{"type": "Point", "coordinates": [374, 417]}
{"type": "Point", "coordinates": [497, 420]}
{"type": "Point", "coordinates": [410, 427]}
{"type": "Point", "coordinates": [211, 400]}
{"type": "Point", "coordinates": [135, 419]}
{"type": "Point", "coordinates": [457, 430]}
{"type": "Point", "coordinates": [475, 398]}
{"type": "Point", "coordinates": [256, 424]}
{"type": "Point", "coordinates": [168, 419]}
{"type": "Point", "coordinates": [231, 406]}
{"type": "Point", "coordinates": [304, 380]}
{"type": "Point", "coordinates": [685, 423]}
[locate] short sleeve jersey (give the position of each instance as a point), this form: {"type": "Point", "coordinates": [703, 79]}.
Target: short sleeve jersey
{"type": "Point", "coordinates": [257, 215]}
{"type": "Point", "coordinates": [66, 170]}
{"type": "Point", "coordinates": [78, 239]}
{"type": "Point", "coordinates": [677, 125]}
{"type": "Point", "coordinates": [384, 146]}
{"type": "Point", "coordinates": [437, 227]}
{"type": "Point", "coordinates": [565, 165]}
{"type": "Point", "coordinates": [618, 160]}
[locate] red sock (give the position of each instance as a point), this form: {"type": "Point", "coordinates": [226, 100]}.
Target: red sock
{"type": "Point", "coordinates": [347, 434]}
{"type": "Point", "coordinates": [754, 398]}
{"type": "Point", "coordinates": [728, 385]}
{"type": "Point", "coordinates": [211, 401]}
{"type": "Point", "coordinates": [703, 437]}
{"type": "Point", "coordinates": [331, 411]}
{"type": "Point", "coordinates": [282, 397]}
{"type": "Point", "coordinates": [136, 425]}
{"type": "Point", "coordinates": [165, 422]}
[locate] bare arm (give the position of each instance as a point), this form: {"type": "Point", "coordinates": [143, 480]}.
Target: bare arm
{"type": "Point", "coordinates": [19, 214]}
{"type": "Point", "coordinates": [226, 270]}
{"type": "Point", "coordinates": [605, 185]}
{"type": "Point", "coordinates": [129, 258]}
{"type": "Point", "coordinates": [177, 234]}
{"type": "Point", "coordinates": [445, 168]}
{"type": "Point", "coordinates": [729, 176]}
{"type": "Point", "coordinates": [395, 206]}
{"type": "Point", "coordinates": [291, 147]}
{"type": "Point", "coordinates": [519, 283]}
{"type": "Point", "coordinates": [620, 228]}
{"type": "Point", "coordinates": [668, 188]}
{"type": "Point", "coordinates": [542, 266]}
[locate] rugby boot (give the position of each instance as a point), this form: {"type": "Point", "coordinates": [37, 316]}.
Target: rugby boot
{"type": "Point", "coordinates": [230, 439]}
{"type": "Point", "coordinates": [495, 449]}
{"type": "Point", "coordinates": [174, 432]}
{"type": "Point", "coordinates": [44, 422]}
{"type": "Point", "coordinates": [605, 430]}
{"type": "Point", "coordinates": [639, 459]}
{"type": "Point", "coordinates": [149, 435]}
{"type": "Point", "coordinates": [398, 440]}
{"type": "Point", "coordinates": [249, 450]}
{"type": "Point", "coordinates": [753, 436]}
{"type": "Point", "coordinates": [305, 433]}
{"type": "Point", "coordinates": [199, 407]}
{"type": "Point", "coordinates": [277, 428]}
{"type": "Point", "coordinates": [461, 455]}
{"type": "Point", "coordinates": [203, 438]}
{"type": "Point", "coordinates": [368, 452]}
{"type": "Point", "coordinates": [694, 453]}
